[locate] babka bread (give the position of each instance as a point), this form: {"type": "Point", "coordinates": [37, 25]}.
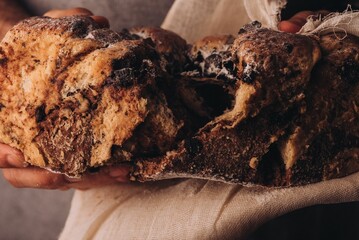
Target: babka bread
{"type": "Point", "coordinates": [330, 121]}
{"type": "Point", "coordinates": [231, 146]}
{"type": "Point", "coordinates": [74, 96]}
{"type": "Point", "coordinates": [171, 47]}
{"type": "Point", "coordinates": [264, 107]}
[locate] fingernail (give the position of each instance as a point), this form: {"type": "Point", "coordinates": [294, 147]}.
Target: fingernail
{"type": "Point", "coordinates": [119, 172]}
{"type": "Point", "coordinates": [16, 161]}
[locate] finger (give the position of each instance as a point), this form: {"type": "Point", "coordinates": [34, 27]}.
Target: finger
{"type": "Point", "coordinates": [295, 23]}
{"type": "Point", "coordinates": [88, 182]}
{"type": "Point", "coordinates": [34, 178]}
{"type": "Point", "coordinates": [10, 157]}
{"type": "Point", "coordinates": [102, 21]}
{"type": "Point", "coordinates": [119, 172]}
{"type": "Point", "coordinates": [101, 178]}
{"type": "Point", "coordinates": [41, 178]}
{"type": "Point", "coordinates": [57, 13]}
{"type": "Point", "coordinates": [288, 26]}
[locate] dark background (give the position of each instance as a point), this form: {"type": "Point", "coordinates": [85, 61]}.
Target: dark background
{"type": "Point", "coordinates": [294, 6]}
{"type": "Point", "coordinates": [335, 221]}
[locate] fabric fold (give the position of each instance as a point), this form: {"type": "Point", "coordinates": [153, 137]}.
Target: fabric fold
{"type": "Point", "coordinates": [199, 209]}
{"type": "Point", "coordinates": [347, 22]}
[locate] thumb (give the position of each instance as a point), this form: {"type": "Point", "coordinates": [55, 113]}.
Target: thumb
{"type": "Point", "coordinates": [11, 157]}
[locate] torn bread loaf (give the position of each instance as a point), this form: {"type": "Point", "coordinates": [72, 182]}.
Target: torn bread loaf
{"type": "Point", "coordinates": [171, 47]}
{"type": "Point", "coordinates": [331, 115]}
{"type": "Point", "coordinates": [334, 78]}
{"type": "Point", "coordinates": [251, 151]}
{"type": "Point", "coordinates": [231, 146]}
{"type": "Point", "coordinates": [76, 96]}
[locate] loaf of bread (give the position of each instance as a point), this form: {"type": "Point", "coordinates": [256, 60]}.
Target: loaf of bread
{"type": "Point", "coordinates": [264, 107]}
{"type": "Point", "coordinates": [75, 96]}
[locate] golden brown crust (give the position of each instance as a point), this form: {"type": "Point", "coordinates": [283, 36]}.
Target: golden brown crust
{"type": "Point", "coordinates": [171, 47]}
{"type": "Point", "coordinates": [210, 44]}
{"type": "Point", "coordinates": [81, 92]}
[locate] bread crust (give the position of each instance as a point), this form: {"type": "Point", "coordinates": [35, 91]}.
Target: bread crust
{"type": "Point", "coordinates": [232, 146]}
{"type": "Point", "coordinates": [243, 109]}
{"type": "Point", "coordinates": [76, 95]}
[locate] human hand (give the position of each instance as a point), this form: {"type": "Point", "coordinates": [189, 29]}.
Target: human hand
{"type": "Point", "coordinates": [56, 13]}
{"type": "Point", "coordinates": [295, 23]}
{"type": "Point", "coordinates": [20, 175]}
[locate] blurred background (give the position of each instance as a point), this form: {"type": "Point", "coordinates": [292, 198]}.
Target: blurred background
{"type": "Point", "coordinates": [32, 214]}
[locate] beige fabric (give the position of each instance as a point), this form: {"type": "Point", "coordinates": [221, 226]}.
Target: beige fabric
{"type": "Point", "coordinates": [347, 22]}
{"type": "Point", "coordinates": [265, 11]}
{"type": "Point", "coordinates": [196, 209]}
{"type": "Point", "coordinates": [192, 209]}
{"type": "Point", "coordinates": [195, 19]}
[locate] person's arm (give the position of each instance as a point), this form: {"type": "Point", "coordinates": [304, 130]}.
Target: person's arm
{"type": "Point", "coordinates": [296, 22]}
{"type": "Point", "coordinates": [21, 175]}
{"type": "Point", "coordinates": [11, 12]}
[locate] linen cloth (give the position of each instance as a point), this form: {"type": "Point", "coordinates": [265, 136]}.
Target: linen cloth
{"type": "Point", "coordinates": [200, 209]}
{"type": "Point", "coordinates": [347, 22]}
{"type": "Point", "coordinates": [196, 19]}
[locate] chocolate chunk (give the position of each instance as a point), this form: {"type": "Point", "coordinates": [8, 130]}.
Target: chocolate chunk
{"type": "Point", "coordinates": [108, 36]}
{"type": "Point", "coordinates": [242, 30]}
{"type": "Point", "coordinates": [199, 57]}
{"type": "Point", "coordinates": [80, 26]}
{"type": "Point", "coordinates": [349, 71]}
{"type": "Point", "coordinates": [124, 77]}
{"type": "Point", "coordinates": [256, 24]}
{"type": "Point", "coordinates": [3, 58]}
{"type": "Point", "coordinates": [228, 64]}
{"type": "Point", "coordinates": [214, 59]}
{"type": "Point", "coordinates": [288, 47]}
{"type": "Point", "coordinates": [40, 113]}
{"type": "Point", "coordinates": [193, 146]}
